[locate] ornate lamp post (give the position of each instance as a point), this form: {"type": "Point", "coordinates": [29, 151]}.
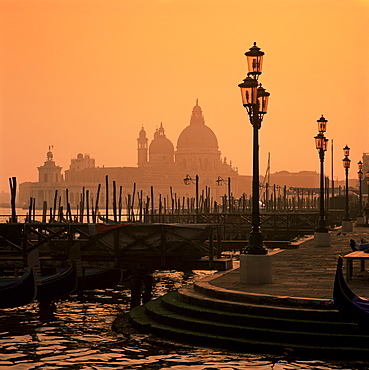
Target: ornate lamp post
{"type": "Point", "coordinates": [346, 223]}
{"type": "Point", "coordinates": [321, 143]}
{"type": "Point", "coordinates": [366, 205]}
{"type": "Point", "coordinates": [360, 176]}
{"type": "Point", "coordinates": [188, 180]}
{"type": "Point", "coordinates": [255, 100]}
{"type": "Point", "coordinates": [219, 182]}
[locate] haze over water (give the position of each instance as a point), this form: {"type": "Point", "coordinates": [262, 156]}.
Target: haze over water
{"type": "Point", "coordinates": [85, 76]}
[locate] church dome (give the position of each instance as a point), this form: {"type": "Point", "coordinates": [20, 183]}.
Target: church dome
{"type": "Point", "coordinates": [161, 148]}
{"type": "Point", "coordinates": [197, 134]}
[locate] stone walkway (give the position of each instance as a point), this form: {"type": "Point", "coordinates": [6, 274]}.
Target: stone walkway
{"type": "Point", "coordinates": [307, 271]}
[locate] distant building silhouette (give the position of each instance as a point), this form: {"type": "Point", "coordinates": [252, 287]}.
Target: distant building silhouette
{"type": "Point", "coordinates": [302, 179]}
{"type": "Point", "coordinates": [159, 166]}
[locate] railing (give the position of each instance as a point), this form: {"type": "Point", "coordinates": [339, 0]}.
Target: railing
{"type": "Point", "coordinates": [105, 245]}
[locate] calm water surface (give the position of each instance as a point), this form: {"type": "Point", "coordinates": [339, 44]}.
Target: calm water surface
{"type": "Point", "coordinates": [77, 334]}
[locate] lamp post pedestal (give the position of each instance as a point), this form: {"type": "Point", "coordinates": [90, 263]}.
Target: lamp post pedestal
{"type": "Point", "coordinates": [360, 220]}
{"type": "Point", "coordinates": [322, 239]}
{"type": "Point", "coordinates": [347, 226]}
{"type": "Point", "coordinates": [256, 268]}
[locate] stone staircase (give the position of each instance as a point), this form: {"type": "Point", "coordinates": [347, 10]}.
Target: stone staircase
{"type": "Point", "coordinates": [202, 314]}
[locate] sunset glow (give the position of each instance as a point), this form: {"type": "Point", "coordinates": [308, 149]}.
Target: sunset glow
{"type": "Point", "coordinates": [86, 75]}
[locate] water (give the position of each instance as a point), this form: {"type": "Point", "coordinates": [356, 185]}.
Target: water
{"type": "Point", "coordinates": [77, 334]}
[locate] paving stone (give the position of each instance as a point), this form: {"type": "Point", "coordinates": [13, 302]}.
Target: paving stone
{"type": "Point", "coordinates": [307, 271]}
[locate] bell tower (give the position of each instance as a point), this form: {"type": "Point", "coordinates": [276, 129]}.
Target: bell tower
{"type": "Point", "coordinates": [49, 172]}
{"type": "Point", "coordinates": [142, 147]}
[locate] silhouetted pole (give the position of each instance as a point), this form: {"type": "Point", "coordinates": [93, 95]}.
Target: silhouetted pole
{"type": "Point", "coordinates": [120, 203]}
{"type": "Point", "coordinates": [107, 198]}
{"type": "Point", "coordinates": [219, 182]}
{"type": "Point", "coordinates": [115, 201]}
{"type": "Point", "coordinates": [97, 202]}
{"type": "Point", "coordinates": [197, 194]}
{"type": "Point", "coordinates": [13, 194]}
{"type": "Point", "coordinates": [189, 180]}
{"type": "Point", "coordinates": [360, 175]}
{"type": "Point", "coordinates": [332, 170]}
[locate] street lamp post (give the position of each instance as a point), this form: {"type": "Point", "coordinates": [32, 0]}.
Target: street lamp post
{"type": "Point", "coordinates": [188, 180]}
{"type": "Point", "coordinates": [321, 143]}
{"type": "Point", "coordinates": [346, 222]}
{"type": "Point", "coordinates": [219, 182]}
{"type": "Point", "coordinates": [360, 175]}
{"type": "Point", "coordinates": [366, 204]}
{"type": "Point", "coordinates": [255, 100]}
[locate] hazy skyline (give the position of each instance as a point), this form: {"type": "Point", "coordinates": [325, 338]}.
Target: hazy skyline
{"type": "Point", "coordinates": [85, 76]}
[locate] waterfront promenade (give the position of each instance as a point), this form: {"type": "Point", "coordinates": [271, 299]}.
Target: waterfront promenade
{"type": "Point", "coordinates": [307, 271]}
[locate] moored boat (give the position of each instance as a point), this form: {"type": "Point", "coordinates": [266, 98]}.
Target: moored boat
{"type": "Point", "coordinates": [352, 307]}
{"type": "Point", "coordinates": [19, 292]}
{"type": "Point", "coordinates": [15, 292]}
{"type": "Point", "coordinates": [58, 285]}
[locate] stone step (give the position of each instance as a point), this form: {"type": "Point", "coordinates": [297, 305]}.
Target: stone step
{"type": "Point", "coordinates": [156, 319]}
{"type": "Point", "coordinates": [255, 306]}
{"type": "Point", "coordinates": [256, 316]}
{"type": "Point", "coordinates": [249, 329]}
{"type": "Point", "coordinates": [204, 287]}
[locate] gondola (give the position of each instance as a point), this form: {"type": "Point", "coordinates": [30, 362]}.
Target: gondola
{"type": "Point", "coordinates": [19, 292]}
{"type": "Point", "coordinates": [352, 307]}
{"type": "Point", "coordinates": [58, 285]}
{"type": "Point", "coordinates": [99, 279]}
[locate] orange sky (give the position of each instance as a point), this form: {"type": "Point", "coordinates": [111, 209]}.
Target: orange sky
{"type": "Point", "coordinates": [84, 76]}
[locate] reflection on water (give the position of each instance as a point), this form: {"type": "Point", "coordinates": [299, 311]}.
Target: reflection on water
{"type": "Point", "coordinates": [77, 334]}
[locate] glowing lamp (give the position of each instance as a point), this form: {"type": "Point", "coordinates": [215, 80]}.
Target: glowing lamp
{"type": "Point", "coordinates": [187, 180]}
{"type": "Point", "coordinates": [321, 142]}
{"type": "Point", "coordinates": [346, 162]}
{"type": "Point", "coordinates": [219, 180]}
{"type": "Point", "coordinates": [346, 151]}
{"type": "Point", "coordinates": [249, 91]}
{"type": "Point", "coordinates": [322, 124]}
{"type": "Point", "coordinates": [254, 60]}
{"type": "Point", "coordinates": [263, 99]}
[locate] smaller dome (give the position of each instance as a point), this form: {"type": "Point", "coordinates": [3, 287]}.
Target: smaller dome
{"type": "Point", "coordinates": [161, 144]}
{"type": "Point", "coordinates": [161, 148]}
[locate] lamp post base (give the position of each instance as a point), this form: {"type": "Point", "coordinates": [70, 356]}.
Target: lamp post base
{"type": "Point", "coordinates": [347, 226]}
{"type": "Point", "coordinates": [360, 220]}
{"type": "Point", "coordinates": [256, 245]}
{"type": "Point", "coordinates": [322, 239]}
{"type": "Point", "coordinates": [256, 269]}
